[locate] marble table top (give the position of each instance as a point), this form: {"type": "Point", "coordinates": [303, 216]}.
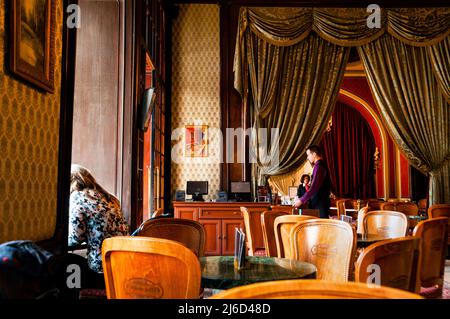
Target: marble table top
{"type": "Point", "coordinates": [218, 272]}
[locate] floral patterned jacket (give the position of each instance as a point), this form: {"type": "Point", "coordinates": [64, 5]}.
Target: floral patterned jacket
{"type": "Point", "coordinates": [92, 219]}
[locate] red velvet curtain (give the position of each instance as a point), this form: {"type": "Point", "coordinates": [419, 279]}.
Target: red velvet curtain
{"type": "Point", "coordinates": [348, 150]}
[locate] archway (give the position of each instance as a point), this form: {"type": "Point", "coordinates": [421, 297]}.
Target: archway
{"type": "Point", "coordinates": [349, 147]}
{"type": "Point", "coordinates": [379, 134]}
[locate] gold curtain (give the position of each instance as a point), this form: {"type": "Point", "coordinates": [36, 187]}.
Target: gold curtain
{"type": "Point", "coordinates": [295, 100]}
{"type": "Point", "coordinates": [440, 55]}
{"type": "Point", "coordinates": [282, 182]}
{"type": "Point", "coordinates": [412, 107]}
{"type": "Point", "coordinates": [279, 71]}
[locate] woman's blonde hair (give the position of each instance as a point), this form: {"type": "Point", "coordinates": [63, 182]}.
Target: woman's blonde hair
{"type": "Point", "coordinates": [81, 179]}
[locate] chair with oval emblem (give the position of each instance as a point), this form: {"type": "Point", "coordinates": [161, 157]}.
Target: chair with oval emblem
{"type": "Point", "coordinates": [433, 233]}
{"type": "Point", "coordinates": [149, 268]}
{"type": "Point", "coordinates": [328, 244]}
{"type": "Point", "coordinates": [385, 224]}
{"type": "Point", "coordinates": [313, 289]}
{"type": "Point", "coordinates": [391, 263]}
{"type": "Point", "coordinates": [282, 227]}
{"type": "Point", "coordinates": [441, 210]}
{"type": "Point", "coordinates": [409, 209]}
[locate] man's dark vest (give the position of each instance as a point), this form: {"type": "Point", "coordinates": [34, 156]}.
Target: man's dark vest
{"type": "Point", "coordinates": [322, 198]}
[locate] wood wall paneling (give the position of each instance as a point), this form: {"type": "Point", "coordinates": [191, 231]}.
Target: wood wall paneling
{"type": "Point", "coordinates": [97, 102]}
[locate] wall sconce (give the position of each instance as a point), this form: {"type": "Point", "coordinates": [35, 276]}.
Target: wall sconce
{"type": "Point", "coordinates": [330, 124]}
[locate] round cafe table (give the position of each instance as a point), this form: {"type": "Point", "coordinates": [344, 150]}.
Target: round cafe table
{"type": "Point", "coordinates": [218, 272]}
{"type": "Point", "coordinates": [365, 240]}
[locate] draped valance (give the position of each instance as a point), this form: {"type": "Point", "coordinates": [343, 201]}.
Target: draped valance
{"type": "Point", "coordinates": [340, 26]}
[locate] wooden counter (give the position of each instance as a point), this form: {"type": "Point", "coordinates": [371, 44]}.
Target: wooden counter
{"type": "Point", "coordinates": [220, 219]}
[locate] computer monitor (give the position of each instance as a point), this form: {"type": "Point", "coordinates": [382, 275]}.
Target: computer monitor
{"type": "Point", "coordinates": [240, 187]}
{"type": "Point", "coordinates": [241, 191]}
{"type": "Point", "coordinates": [197, 189]}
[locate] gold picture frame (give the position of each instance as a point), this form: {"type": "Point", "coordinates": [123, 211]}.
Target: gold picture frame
{"type": "Point", "coordinates": [196, 141]}
{"type": "Point", "coordinates": [32, 38]}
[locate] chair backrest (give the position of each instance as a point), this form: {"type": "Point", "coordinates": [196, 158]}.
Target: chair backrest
{"type": "Point", "coordinates": [187, 232]}
{"type": "Point", "coordinates": [342, 204]}
{"type": "Point", "coordinates": [328, 244]}
{"type": "Point", "coordinates": [387, 224]}
{"type": "Point", "coordinates": [149, 268]}
{"type": "Point", "coordinates": [409, 209]}
{"type": "Point", "coordinates": [433, 233]}
{"type": "Point", "coordinates": [282, 228]}
{"type": "Point", "coordinates": [313, 289]}
{"type": "Point", "coordinates": [441, 210]}
{"type": "Point", "coordinates": [398, 262]}
{"type": "Point", "coordinates": [374, 204]}
{"type": "Point", "coordinates": [253, 230]}
{"type": "Point", "coordinates": [158, 212]}
{"type": "Point", "coordinates": [361, 213]}
{"type": "Point", "coordinates": [267, 223]}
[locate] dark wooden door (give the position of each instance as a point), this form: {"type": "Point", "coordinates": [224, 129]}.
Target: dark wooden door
{"type": "Point", "coordinates": [213, 236]}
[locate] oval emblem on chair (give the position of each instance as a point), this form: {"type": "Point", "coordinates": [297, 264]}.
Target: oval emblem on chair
{"type": "Point", "coordinates": [384, 231]}
{"type": "Point", "coordinates": [143, 288]}
{"type": "Point", "coordinates": [323, 250]}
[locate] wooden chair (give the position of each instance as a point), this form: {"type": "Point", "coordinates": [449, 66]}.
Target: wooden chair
{"type": "Point", "coordinates": [433, 233]}
{"type": "Point", "coordinates": [328, 244]}
{"type": "Point", "coordinates": [313, 289]}
{"type": "Point", "coordinates": [359, 226]}
{"type": "Point", "coordinates": [409, 209]}
{"type": "Point", "coordinates": [149, 268]}
{"type": "Point", "coordinates": [342, 204]}
{"type": "Point", "coordinates": [267, 224]}
{"type": "Point", "coordinates": [158, 212]}
{"type": "Point", "coordinates": [398, 262]}
{"type": "Point", "coordinates": [187, 232]}
{"type": "Point", "coordinates": [441, 210]}
{"type": "Point", "coordinates": [253, 232]}
{"type": "Point", "coordinates": [374, 204]}
{"type": "Point", "coordinates": [387, 224]}
{"type": "Point", "coordinates": [282, 228]}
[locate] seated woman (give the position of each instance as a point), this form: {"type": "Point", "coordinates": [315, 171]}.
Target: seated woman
{"type": "Point", "coordinates": [94, 216]}
{"type": "Point", "coordinates": [304, 185]}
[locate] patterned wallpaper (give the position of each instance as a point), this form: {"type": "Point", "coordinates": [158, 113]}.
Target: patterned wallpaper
{"type": "Point", "coordinates": [196, 92]}
{"type": "Point", "coordinates": [29, 133]}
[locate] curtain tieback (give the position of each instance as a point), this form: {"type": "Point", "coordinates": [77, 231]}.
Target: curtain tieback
{"type": "Point", "coordinates": [438, 168]}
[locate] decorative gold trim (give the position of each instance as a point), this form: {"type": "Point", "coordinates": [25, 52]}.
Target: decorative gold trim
{"type": "Point", "coordinates": [399, 173]}
{"type": "Point", "coordinates": [355, 69]}
{"type": "Point", "coordinates": [380, 126]}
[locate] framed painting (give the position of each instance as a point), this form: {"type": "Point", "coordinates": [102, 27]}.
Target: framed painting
{"type": "Point", "coordinates": [32, 38]}
{"type": "Point", "coordinates": [196, 141]}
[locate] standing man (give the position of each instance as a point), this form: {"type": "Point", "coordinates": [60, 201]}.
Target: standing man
{"type": "Point", "coordinates": [319, 192]}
